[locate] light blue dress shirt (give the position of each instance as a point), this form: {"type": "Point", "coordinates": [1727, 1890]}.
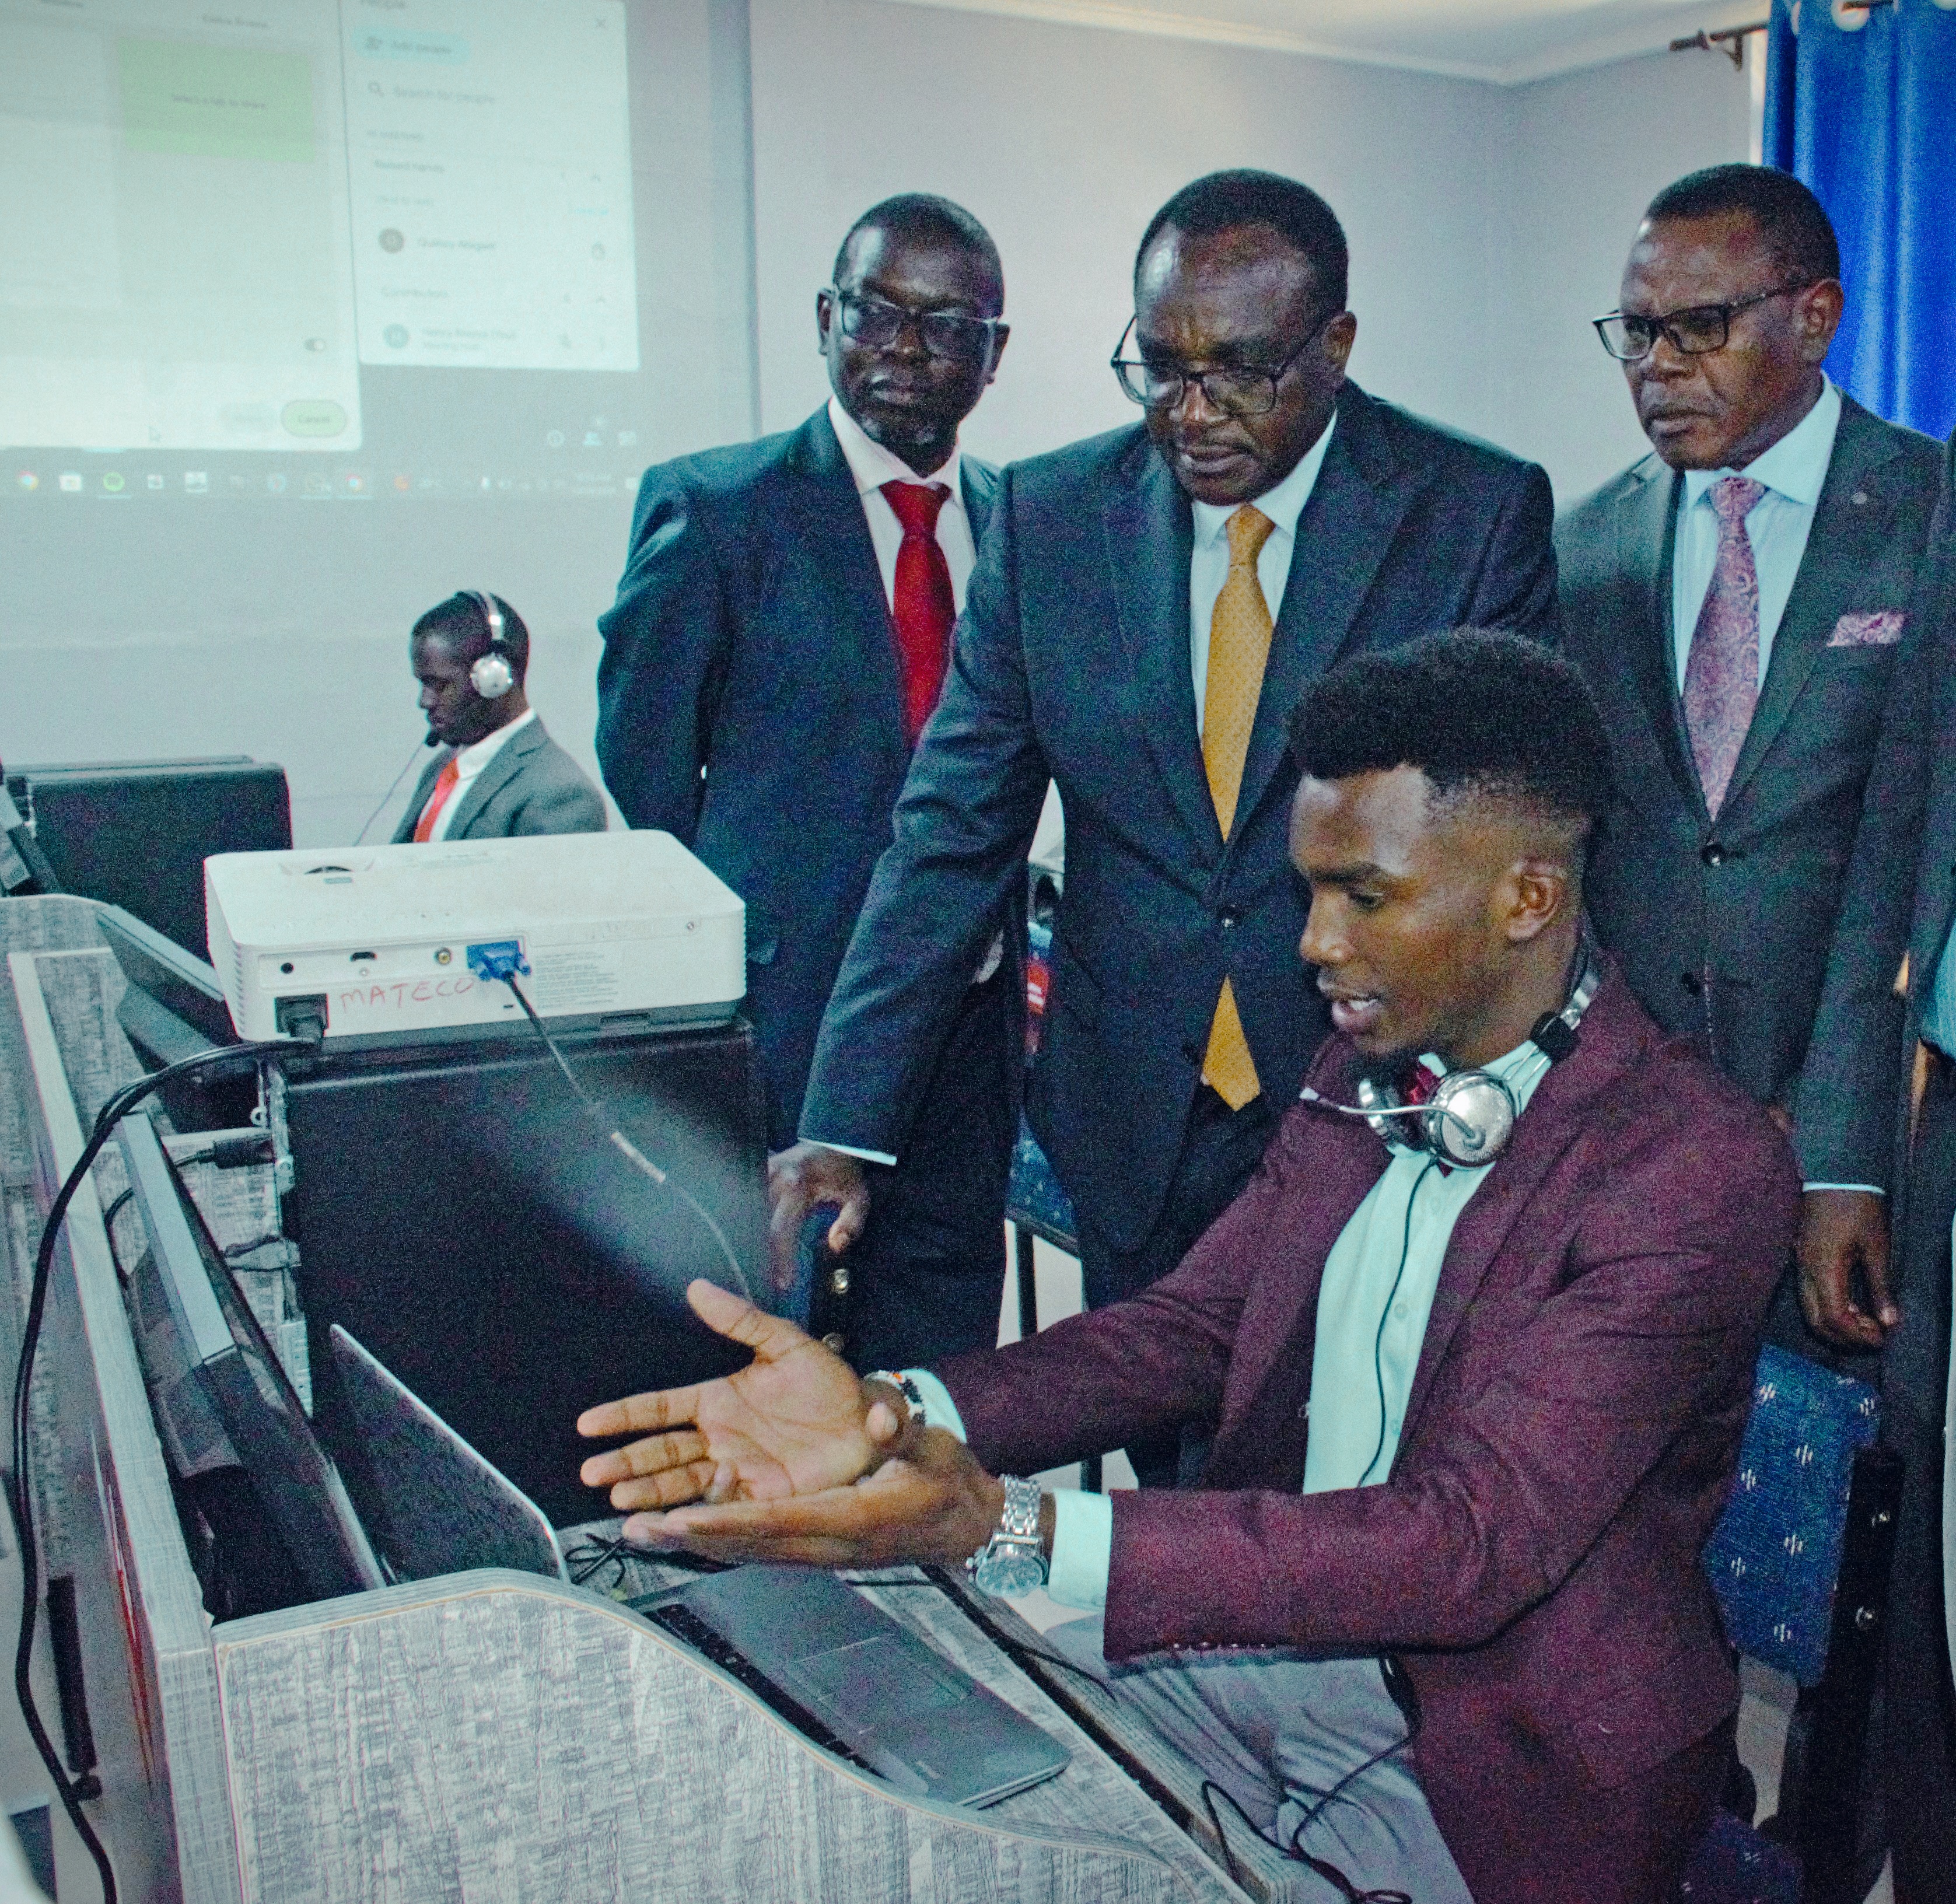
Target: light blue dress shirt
{"type": "Point", "coordinates": [1793, 471]}
{"type": "Point", "coordinates": [1373, 1306]}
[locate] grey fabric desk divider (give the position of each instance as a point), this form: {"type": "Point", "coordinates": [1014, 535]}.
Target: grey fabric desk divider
{"type": "Point", "coordinates": [488, 1735]}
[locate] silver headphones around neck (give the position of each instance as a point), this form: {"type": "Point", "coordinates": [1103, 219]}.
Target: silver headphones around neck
{"type": "Point", "coordinates": [1467, 1120]}
{"type": "Point", "coordinates": [494, 674]}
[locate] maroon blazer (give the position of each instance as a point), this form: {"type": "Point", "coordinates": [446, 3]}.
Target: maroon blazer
{"type": "Point", "coordinates": [1575, 1419]}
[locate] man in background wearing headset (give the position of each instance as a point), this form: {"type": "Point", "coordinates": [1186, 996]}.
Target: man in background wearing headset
{"type": "Point", "coordinates": [1478, 1389]}
{"type": "Point", "coordinates": [500, 774]}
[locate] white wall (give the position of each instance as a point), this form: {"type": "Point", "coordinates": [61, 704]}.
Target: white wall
{"type": "Point", "coordinates": [1592, 150]}
{"type": "Point", "coordinates": [1487, 225]}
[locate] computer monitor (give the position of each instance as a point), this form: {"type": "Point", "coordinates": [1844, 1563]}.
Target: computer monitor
{"type": "Point", "coordinates": [136, 834]}
{"type": "Point", "coordinates": [270, 1520]}
{"type": "Point", "coordinates": [166, 984]}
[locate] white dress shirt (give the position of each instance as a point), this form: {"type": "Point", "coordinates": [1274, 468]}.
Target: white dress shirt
{"type": "Point", "coordinates": [1374, 1303]}
{"type": "Point", "coordinates": [1209, 559]}
{"type": "Point", "coordinates": [469, 762]}
{"type": "Point", "coordinates": [1793, 469]}
{"type": "Point", "coordinates": [872, 466]}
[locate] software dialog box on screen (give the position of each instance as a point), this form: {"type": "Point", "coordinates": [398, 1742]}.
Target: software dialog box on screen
{"type": "Point", "coordinates": [215, 214]}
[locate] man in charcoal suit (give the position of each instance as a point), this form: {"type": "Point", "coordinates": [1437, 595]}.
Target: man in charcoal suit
{"type": "Point", "coordinates": [1735, 600]}
{"type": "Point", "coordinates": [1856, 1123]}
{"type": "Point", "coordinates": [498, 773]}
{"type": "Point", "coordinates": [779, 641]}
{"type": "Point", "coordinates": [1148, 606]}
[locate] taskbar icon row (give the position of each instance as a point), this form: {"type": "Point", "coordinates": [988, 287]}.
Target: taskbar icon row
{"type": "Point", "coordinates": [338, 485]}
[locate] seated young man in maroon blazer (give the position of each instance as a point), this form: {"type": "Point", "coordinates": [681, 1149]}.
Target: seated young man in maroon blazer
{"type": "Point", "coordinates": [1478, 1372]}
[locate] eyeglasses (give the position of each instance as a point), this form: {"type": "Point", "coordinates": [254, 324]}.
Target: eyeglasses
{"type": "Point", "coordinates": [1696, 331]}
{"type": "Point", "coordinates": [1238, 391]}
{"type": "Point", "coordinates": [876, 324]}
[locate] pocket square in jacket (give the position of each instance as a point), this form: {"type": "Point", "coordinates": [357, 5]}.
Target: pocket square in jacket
{"type": "Point", "coordinates": [1870, 627]}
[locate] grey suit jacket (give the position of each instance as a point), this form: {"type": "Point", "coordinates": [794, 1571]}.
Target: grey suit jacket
{"type": "Point", "coordinates": [1723, 930]}
{"type": "Point", "coordinates": [1901, 897]}
{"type": "Point", "coordinates": [530, 786]}
{"type": "Point", "coordinates": [1071, 660]}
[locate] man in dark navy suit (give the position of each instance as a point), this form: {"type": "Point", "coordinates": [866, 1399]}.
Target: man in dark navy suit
{"type": "Point", "coordinates": [780, 638]}
{"type": "Point", "coordinates": [1150, 605]}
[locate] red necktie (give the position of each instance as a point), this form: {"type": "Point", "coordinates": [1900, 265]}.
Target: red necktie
{"type": "Point", "coordinates": [444, 785]}
{"type": "Point", "coordinates": [922, 605]}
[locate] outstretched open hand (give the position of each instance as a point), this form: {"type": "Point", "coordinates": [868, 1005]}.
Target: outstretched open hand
{"type": "Point", "coordinates": [797, 1420]}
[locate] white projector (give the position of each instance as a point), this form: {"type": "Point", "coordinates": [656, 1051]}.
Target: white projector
{"type": "Point", "coordinates": [375, 941]}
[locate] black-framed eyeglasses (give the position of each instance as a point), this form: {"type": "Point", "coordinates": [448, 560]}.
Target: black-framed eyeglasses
{"type": "Point", "coordinates": [1241, 390]}
{"type": "Point", "coordinates": [1697, 330]}
{"type": "Point", "coordinates": [876, 324]}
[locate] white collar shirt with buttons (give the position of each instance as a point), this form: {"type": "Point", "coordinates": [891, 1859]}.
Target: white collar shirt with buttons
{"type": "Point", "coordinates": [872, 466]}
{"type": "Point", "coordinates": [1209, 556]}
{"type": "Point", "coordinates": [1793, 471]}
{"type": "Point", "coordinates": [469, 762]}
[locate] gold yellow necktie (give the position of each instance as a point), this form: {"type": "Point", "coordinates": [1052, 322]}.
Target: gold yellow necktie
{"type": "Point", "coordinates": [1239, 647]}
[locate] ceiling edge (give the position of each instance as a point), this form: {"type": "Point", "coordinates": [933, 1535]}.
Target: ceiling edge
{"type": "Point", "coordinates": [1115, 16]}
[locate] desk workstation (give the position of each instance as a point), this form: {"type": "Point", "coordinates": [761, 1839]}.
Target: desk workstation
{"type": "Point", "coordinates": [475, 1717]}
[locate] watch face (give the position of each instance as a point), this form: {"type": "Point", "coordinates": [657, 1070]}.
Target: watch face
{"type": "Point", "coordinates": [1006, 1571]}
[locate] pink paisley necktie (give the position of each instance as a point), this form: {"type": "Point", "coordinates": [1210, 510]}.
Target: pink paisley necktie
{"type": "Point", "coordinates": [1722, 676]}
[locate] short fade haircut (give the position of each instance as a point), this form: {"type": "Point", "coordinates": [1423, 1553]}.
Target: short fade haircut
{"type": "Point", "coordinates": [925, 216]}
{"type": "Point", "coordinates": [1792, 221]}
{"type": "Point", "coordinates": [1477, 710]}
{"type": "Point", "coordinates": [1224, 200]}
{"type": "Point", "coordinates": [461, 626]}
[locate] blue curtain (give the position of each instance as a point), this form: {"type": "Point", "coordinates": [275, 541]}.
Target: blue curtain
{"type": "Point", "coordinates": [1861, 104]}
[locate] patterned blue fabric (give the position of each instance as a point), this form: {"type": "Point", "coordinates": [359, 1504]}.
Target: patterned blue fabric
{"type": "Point", "coordinates": [1034, 1198]}
{"type": "Point", "coordinates": [1774, 1556]}
{"type": "Point", "coordinates": [1733, 1864]}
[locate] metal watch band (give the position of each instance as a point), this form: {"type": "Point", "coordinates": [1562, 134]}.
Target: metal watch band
{"type": "Point", "coordinates": [1020, 1520]}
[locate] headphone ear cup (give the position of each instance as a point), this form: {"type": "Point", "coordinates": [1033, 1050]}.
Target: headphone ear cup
{"type": "Point", "coordinates": [492, 677]}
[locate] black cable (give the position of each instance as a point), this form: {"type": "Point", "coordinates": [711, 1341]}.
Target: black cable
{"type": "Point", "coordinates": [109, 1217]}
{"type": "Point", "coordinates": [1379, 1340]}
{"type": "Point", "coordinates": [623, 1144]}
{"type": "Point", "coordinates": [389, 794]}
{"type": "Point", "coordinates": [21, 1486]}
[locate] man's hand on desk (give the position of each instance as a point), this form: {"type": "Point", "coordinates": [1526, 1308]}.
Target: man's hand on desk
{"type": "Point", "coordinates": [799, 1178]}
{"type": "Point", "coordinates": [1839, 1230]}
{"type": "Point", "coordinates": [795, 1420]}
{"type": "Point", "coordinates": [794, 1458]}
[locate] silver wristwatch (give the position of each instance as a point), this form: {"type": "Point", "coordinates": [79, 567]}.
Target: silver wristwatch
{"type": "Point", "coordinates": [1013, 1560]}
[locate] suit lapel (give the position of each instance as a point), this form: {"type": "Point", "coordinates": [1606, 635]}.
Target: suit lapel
{"type": "Point", "coordinates": [1647, 526]}
{"type": "Point", "coordinates": [980, 484]}
{"type": "Point", "coordinates": [1851, 521]}
{"type": "Point", "coordinates": [502, 768]}
{"type": "Point", "coordinates": [1342, 537]}
{"type": "Point", "coordinates": [824, 512]}
{"type": "Point", "coordinates": [1149, 532]}
{"type": "Point", "coordinates": [1552, 1122]}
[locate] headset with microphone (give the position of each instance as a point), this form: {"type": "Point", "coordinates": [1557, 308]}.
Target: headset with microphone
{"type": "Point", "coordinates": [1467, 1121]}
{"type": "Point", "coordinates": [494, 673]}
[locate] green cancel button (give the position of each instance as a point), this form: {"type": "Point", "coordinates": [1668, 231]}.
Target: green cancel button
{"type": "Point", "coordinates": [316, 417]}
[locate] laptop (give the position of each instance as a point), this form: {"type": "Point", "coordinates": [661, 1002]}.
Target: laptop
{"type": "Point", "coordinates": [842, 1671]}
{"type": "Point", "coordinates": [859, 1683]}
{"type": "Point", "coordinates": [433, 1504]}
